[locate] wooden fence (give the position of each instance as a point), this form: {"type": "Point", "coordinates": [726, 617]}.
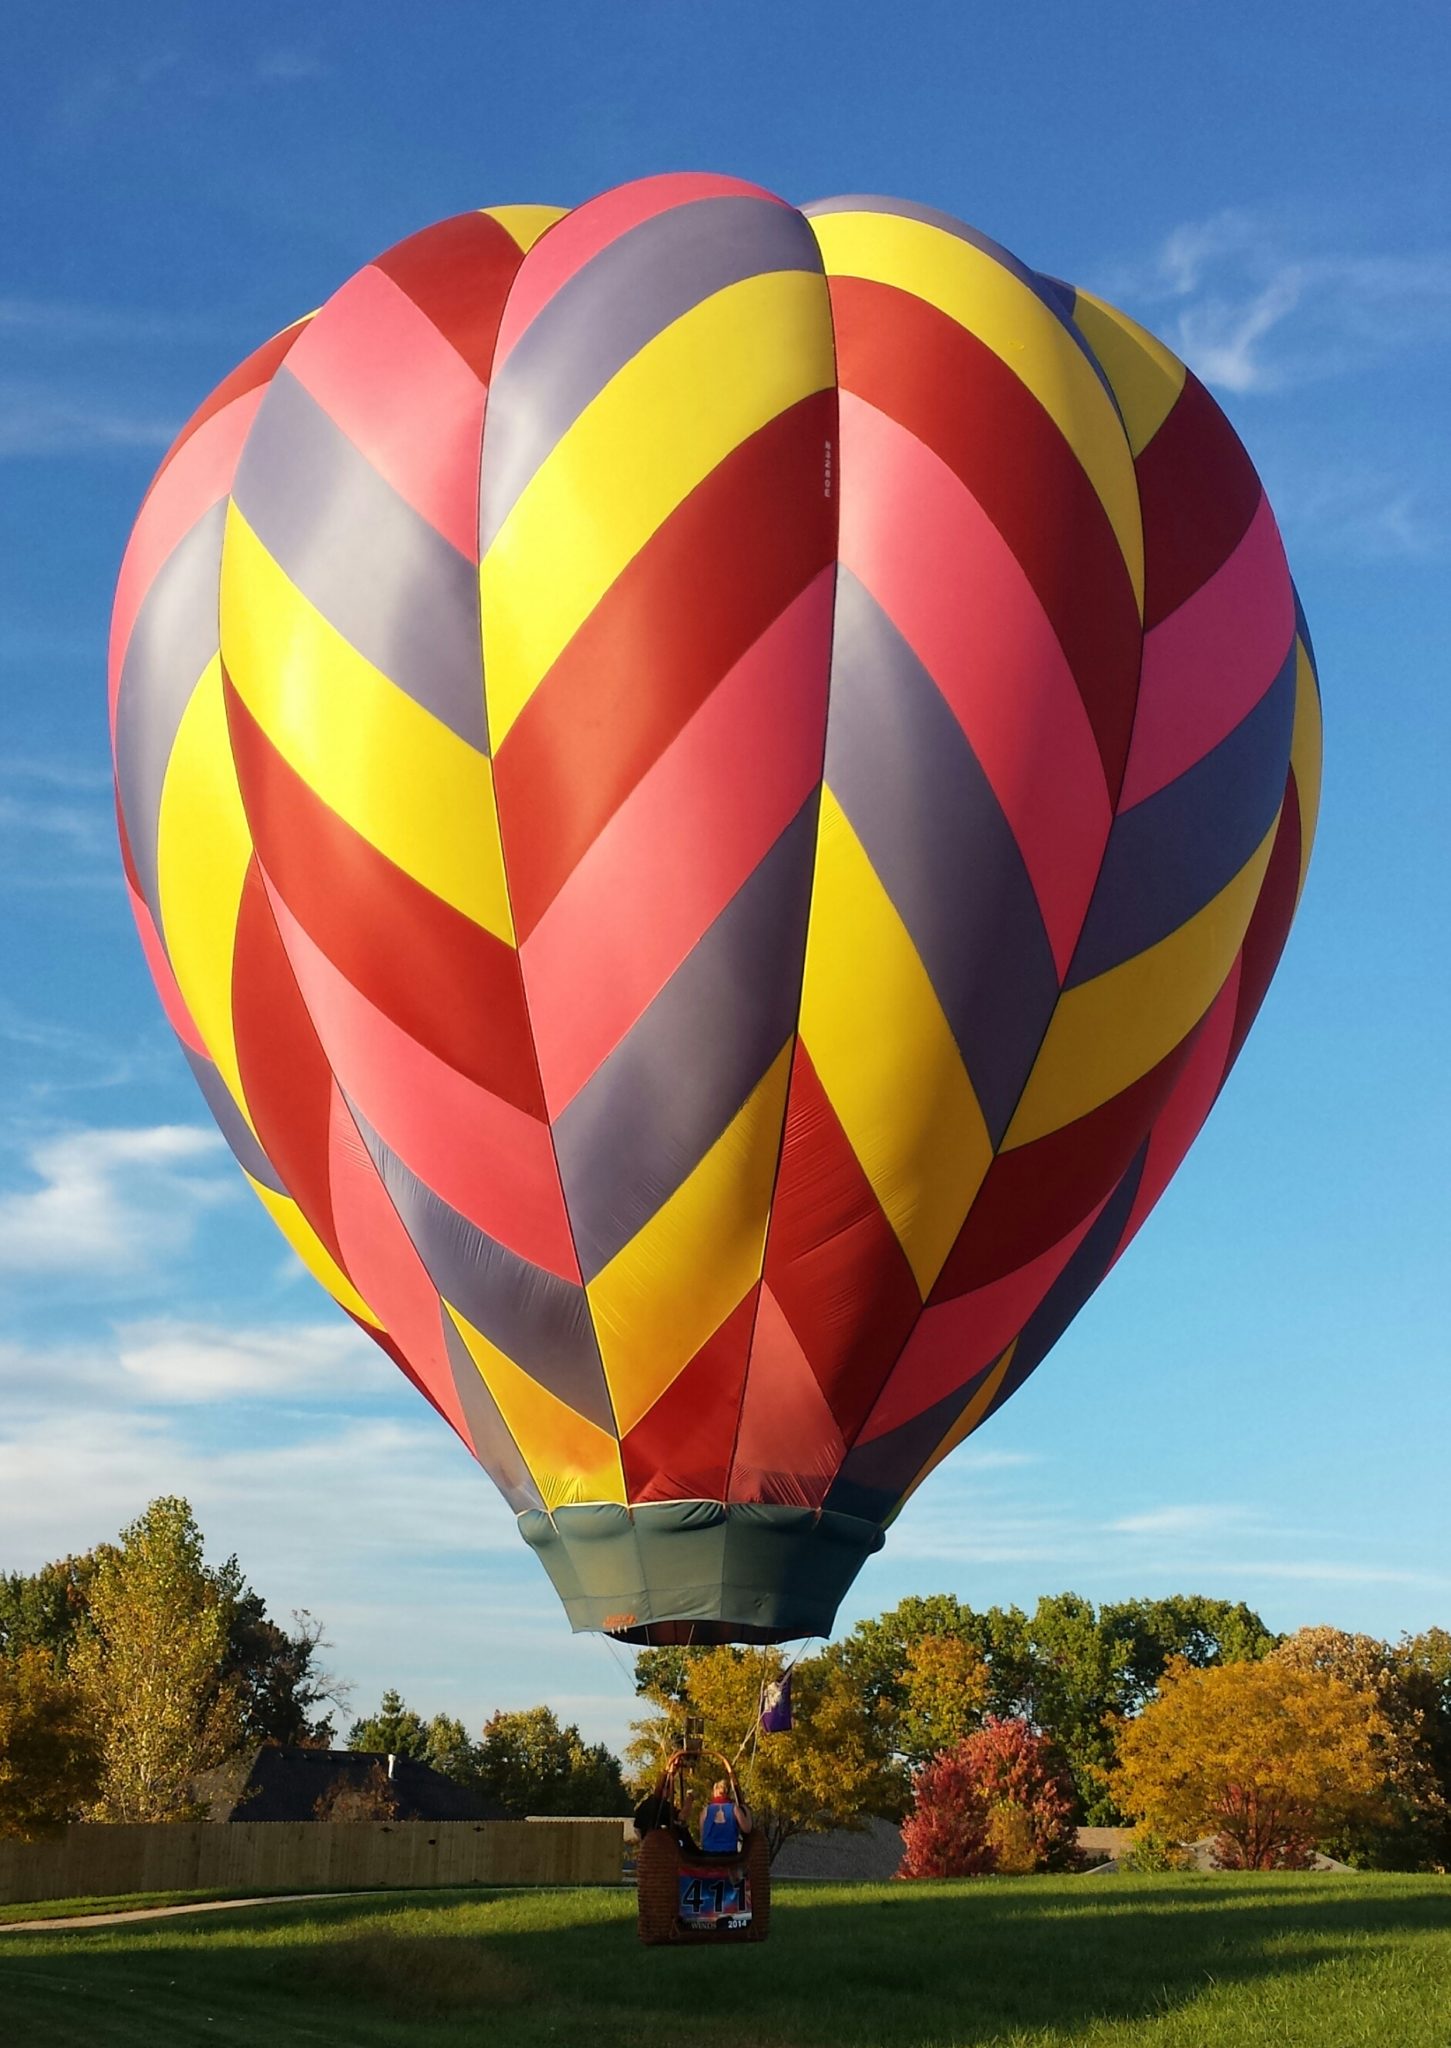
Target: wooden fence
{"type": "Point", "coordinates": [94, 1861]}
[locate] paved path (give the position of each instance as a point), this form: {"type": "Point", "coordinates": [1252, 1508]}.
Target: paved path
{"type": "Point", "coordinates": [165, 1912]}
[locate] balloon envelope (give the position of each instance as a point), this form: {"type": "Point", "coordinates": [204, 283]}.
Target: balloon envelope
{"type": "Point", "coordinates": [711, 790]}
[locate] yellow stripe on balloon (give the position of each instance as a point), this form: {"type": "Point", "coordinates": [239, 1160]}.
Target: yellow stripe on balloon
{"type": "Point", "coordinates": [1306, 745]}
{"type": "Point", "coordinates": [203, 847]}
{"type": "Point", "coordinates": [525, 223]}
{"type": "Point", "coordinates": [983, 296]}
{"type": "Point", "coordinates": [313, 1253]}
{"type": "Point", "coordinates": [676, 1281]}
{"type": "Point", "coordinates": [885, 1054]}
{"type": "Point", "coordinates": [966, 1423]}
{"type": "Point", "coordinates": [411, 787]}
{"type": "Point", "coordinates": [696, 391]}
{"type": "Point", "coordinates": [570, 1460]}
{"type": "Point", "coordinates": [1110, 1031]}
{"type": "Point", "coordinates": [1145, 376]}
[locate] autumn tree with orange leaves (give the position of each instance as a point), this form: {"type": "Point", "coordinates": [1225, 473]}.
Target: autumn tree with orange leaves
{"type": "Point", "coordinates": [1268, 1758]}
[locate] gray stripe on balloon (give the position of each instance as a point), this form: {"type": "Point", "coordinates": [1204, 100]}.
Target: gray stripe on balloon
{"type": "Point", "coordinates": [538, 1320]}
{"type": "Point", "coordinates": [1058, 297]}
{"type": "Point", "coordinates": [376, 570]}
{"type": "Point", "coordinates": [607, 312]}
{"type": "Point", "coordinates": [918, 799]}
{"type": "Point", "coordinates": [645, 1120]}
{"type": "Point", "coordinates": [172, 640]}
{"type": "Point", "coordinates": [494, 1447]}
{"type": "Point", "coordinates": [233, 1126]}
{"type": "Point", "coordinates": [1172, 853]}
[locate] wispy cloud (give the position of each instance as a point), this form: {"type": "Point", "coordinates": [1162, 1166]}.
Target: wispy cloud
{"type": "Point", "coordinates": [1186, 1518]}
{"type": "Point", "coordinates": [39, 420]}
{"type": "Point", "coordinates": [1255, 304]}
{"type": "Point", "coordinates": [159, 79]}
{"type": "Point", "coordinates": [110, 1201]}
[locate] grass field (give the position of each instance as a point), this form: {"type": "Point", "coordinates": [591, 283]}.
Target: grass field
{"type": "Point", "coordinates": [1170, 1962]}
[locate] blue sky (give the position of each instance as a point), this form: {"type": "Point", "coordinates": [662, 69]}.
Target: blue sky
{"type": "Point", "coordinates": [1258, 1403]}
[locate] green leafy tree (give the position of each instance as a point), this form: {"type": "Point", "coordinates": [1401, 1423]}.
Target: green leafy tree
{"type": "Point", "coordinates": [275, 1672]}
{"type": "Point", "coordinates": [50, 1760]}
{"type": "Point", "coordinates": [149, 1666]}
{"type": "Point", "coordinates": [831, 1769]}
{"type": "Point", "coordinates": [394, 1730]}
{"type": "Point", "coordinates": [451, 1750]}
{"type": "Point", "coordinates": [44, 1610]}
{"type": "Point", "coordinates": [1423, 1663]}
{"type": "Point", "coordinates": [531, 1764]}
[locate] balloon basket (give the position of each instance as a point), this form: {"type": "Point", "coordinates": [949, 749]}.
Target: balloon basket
{"type": "Point", "coordinates": [693, 1896]}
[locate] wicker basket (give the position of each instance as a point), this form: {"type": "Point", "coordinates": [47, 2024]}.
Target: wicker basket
{"type": "Point", "coordinates": [664, 1859]}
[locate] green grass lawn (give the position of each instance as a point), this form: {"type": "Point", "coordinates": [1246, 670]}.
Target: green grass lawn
{"type": "Point", "coordinates": [1176, 1962]}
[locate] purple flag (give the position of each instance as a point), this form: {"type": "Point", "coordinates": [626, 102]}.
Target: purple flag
{"type": "Point", "coordinates": [776, 1705]}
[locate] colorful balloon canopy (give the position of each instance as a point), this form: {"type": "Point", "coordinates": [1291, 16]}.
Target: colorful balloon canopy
{"type": "Point", "coordinates": [711, 790]}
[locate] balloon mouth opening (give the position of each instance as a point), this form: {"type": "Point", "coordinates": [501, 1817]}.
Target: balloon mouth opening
{"type": "Point", "coordinates": [704, 1635]}
{"type": "Point", "coordinates": [700, 1572]}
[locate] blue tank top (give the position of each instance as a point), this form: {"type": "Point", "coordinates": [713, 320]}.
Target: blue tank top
{"type": "Point", "coordinates": [718, 1833]}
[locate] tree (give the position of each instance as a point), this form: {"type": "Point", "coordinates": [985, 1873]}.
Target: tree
{"type": "Point", "coordinates": [946, 1687]}
{"type": "Point", "coordinates": [395, 1730]}
{"type": "Point", "coordinates": [1423, 1663]}
{"type": "Point", "coordinates": [832, 1767]}
{"type": "Point", "coordinates": [1269, 1759]}
{"type": "Point", "coordinates": [149, 1668]}
{"type": "Point", "coordinates": [449, 1749]}
{"type": "Point", "coordinates": [275, 1671]}
{"type": "Point", "coordinates": [50, 1760]}
{"type": "Point", "coordinates": [532, 1765]}
{"type": "Point", "coordinates": [45, 1609]}
{"type": "Point", "coordinates": [371, 1797]}
{"type": "Point", "coordinates": [999, 1800]}
{"type": "Point", "coordinates": [1410, 1832]}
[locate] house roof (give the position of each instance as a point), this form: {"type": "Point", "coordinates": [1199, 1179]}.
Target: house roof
{"type": "Point", "coordinates": [281, 1782]}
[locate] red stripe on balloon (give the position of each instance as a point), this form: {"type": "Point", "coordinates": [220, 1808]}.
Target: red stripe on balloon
{"type": "Point", "coordinates": [788, 1446]}
{"type": "Point", "coordinates": [679, 848]}
{"type": "Point", "coordinates": [833, 1262]}
{"type": "Point", "coordinates": [1269, 926]}
{"type": "Point", "coordinates": [1190, 1100]}
{"type": "Point", "coordinates": [681, 1449]}
{"type": "Point", "coordinates": [387, 376]}
{"type": "Point", "coordinates": [1033, 1196]}
{"type": "Point", "coordinates": [459, 272]}
{"type": "Point", "coordinates": [386, 1268]}
{"type": "Point", "coordinates": [488, 1160]}
{"type": "Point", "coordinates": [945, 386]}
{"type": "Point", "coordinates": [707, 584]}
{"type": "Point", "coordinates": [248, 376]}
{"type": "Point", "coordinates": [439, 976]}
{"type": "Point", "coordinates": [285, 1075]}
{"type": "Point", "coordinates": [1198, 492]}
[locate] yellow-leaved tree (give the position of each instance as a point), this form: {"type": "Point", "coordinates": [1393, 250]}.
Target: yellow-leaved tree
{"type": "Point", "coordinates": [829, 1771]}
{"type": "Point", "coordinates": [149, 1668]}
{"type": "Point", "coordinates": [50, 1761]}
{"type": "Point", "coordinates": [1268, 1758]}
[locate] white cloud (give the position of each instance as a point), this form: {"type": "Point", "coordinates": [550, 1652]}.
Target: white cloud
{"type": "Point", "coordinates": [1254, 303]}
{"type": "Point", "coordinates": [169, 1360]}
{"type": "Point", "coordinates": [114, 1201]}
{"type": "Point", "coordinates": [1185, 1518]}
{"type": "Point", "coordinates": [38, 420]}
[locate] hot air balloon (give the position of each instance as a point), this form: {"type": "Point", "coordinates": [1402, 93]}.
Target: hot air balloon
{"type": "Point", "coordinates": [711, 790]}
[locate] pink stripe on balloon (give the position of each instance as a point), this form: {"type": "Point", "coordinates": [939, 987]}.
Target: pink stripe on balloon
{"type": "Point", "coordinates": [379, 1258]}
{"type": "Point", "coordinates": [580, 236]}
{"type": "Point", "coordinates": [198, 475]}
{"type": "Point", "coordinates": [682, 843]}
{"type": "Point", "coordinates": [403, 395]}
{"type": "Point", "coordinates": [1209, 663]}
{"type": "Point", "coordinates": [949, 582]}
{"type": "Point", "coordinates": [958, 1340]}
{"type": "Point", "coordinates": [1190, 1101]}
{"type": "Point", "coordinates": [178, 1016]}
{"type": "Point", "coordinates": [485, 1158]}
